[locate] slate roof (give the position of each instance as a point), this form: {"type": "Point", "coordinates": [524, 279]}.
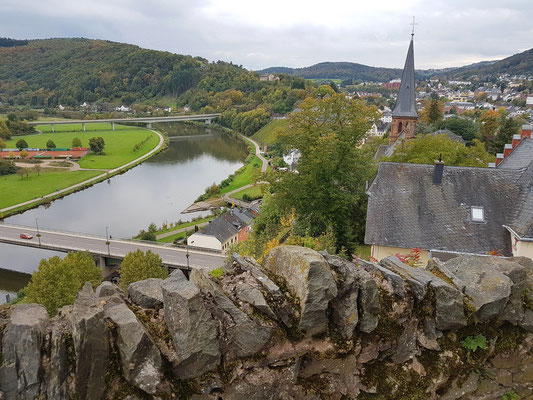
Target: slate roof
{"type": "Point", "coordinates": [229, 224]}
{"type": "Point", "coordinates": [520, 157]}
{"type": "Point", "coordinates": [405, 208]}
{"type": "Point", "coordinates": [406, 102]}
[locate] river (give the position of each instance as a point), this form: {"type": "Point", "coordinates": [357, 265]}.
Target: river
{"type": "Point", "coordinates": [155, 191]}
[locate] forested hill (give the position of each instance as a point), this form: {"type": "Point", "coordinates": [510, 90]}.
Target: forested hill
{"type": "Point", "coordinates": [49, 72]}
{"type": "Point", "coordinates": [518, 64]}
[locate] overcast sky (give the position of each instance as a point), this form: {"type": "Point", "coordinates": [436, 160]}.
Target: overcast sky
{"type": "Point", "coordinates": [294, 33]}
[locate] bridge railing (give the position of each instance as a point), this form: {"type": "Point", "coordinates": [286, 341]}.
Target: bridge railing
{"type": "Point", "coordinates": [55, 230]}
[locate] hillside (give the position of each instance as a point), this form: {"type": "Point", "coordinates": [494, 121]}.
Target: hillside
{"type": "Point", "coordinates": [72, 71]}
{"type": "Point", "coordinates": [518, 64]}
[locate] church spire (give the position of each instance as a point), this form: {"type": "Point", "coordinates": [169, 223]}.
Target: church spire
{"type": "Point", "coordinates": [406, 102]}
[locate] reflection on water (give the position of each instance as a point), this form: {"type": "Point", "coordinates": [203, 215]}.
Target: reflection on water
{"type": "Point", "coordinates": [155, 191]}
{"type": "Point", "coordinates": [11, 283]}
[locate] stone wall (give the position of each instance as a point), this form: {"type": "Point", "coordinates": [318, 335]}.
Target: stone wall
{"type": "Point", "coordinates": [302, 326]}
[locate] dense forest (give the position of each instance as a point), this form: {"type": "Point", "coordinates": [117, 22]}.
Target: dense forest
{"type": "Point", "coordinates": [47, 73]}
{"type": "Point", "coordinates": [518, 64]}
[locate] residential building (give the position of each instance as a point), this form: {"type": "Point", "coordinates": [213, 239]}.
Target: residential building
{"type": "Point", "coordinates": [268, 77]}
{"type": "Point", "coordinates": [448, 210]}
{"type": "Point", "coordinates": [224, 231]}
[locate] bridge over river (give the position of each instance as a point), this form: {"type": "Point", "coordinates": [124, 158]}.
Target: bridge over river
{"type": "Point", "coordinates": [109, 252]}
{"type": "Point", "coordinates": [207, 118]}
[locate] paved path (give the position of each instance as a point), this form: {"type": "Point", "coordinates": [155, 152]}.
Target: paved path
{"type": "Point", "coordinates": [258, 154]}
{"type": "Point", "coordinates": [187, 228]}
{"type": "Point", "coordinates": [118, 248]}
{"type": "Point", "coordinates": [96, 178]}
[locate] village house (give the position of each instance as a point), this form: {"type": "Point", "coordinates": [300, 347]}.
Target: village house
{"type": "Point", "coordinates": [224, 231]}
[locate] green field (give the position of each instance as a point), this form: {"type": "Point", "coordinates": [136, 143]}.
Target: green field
{"type": "Point", "coordinates": [363, 251]}
{"type": "Point", "coordinates": [253, 192]}
{"type": "Point", "coordinates": [16, 190]}
{"type": "Point", "coordinates": [170, 239]}
{"type": "Point", "coordinates": [268, 133]}
{"type": "Point", "coordinates": [184, 225]}
{"type": "Point", "coordinates": [244, 177]}
{"type": "Point", "coordinates": [118, 144]}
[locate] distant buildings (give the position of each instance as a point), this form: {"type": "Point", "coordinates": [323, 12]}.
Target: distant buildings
{"type": "Point", "coordinates": [268, 77]}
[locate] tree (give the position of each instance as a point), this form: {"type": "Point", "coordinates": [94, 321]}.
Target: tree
{"type": "Point", "coordinates": [76, 142]}
{"type": "Point", "coordinates": [433, 110]}
{"type": "Point", "coordinates": [37, 169]}
{"type": "Point", "coordinates": [57, 282]}
{"type": "Point", "coordinates": [97, 144]}
{"type": "Point", "coordinates": [489, 125]}
{"type": "Point", "coordinates": [138, 266]}
{"type": "Point", "coordinates": [24, 154]}
{"type": "Point", "coordinates": [2, 144]}
{"type": "Point", "coordinates": [329, 189]}
{"type": "Point", "coordinates": [509, 126]}
{"type": "Point", "coordinates": [21, 144]}
{"type": "Point", "coordinates": [50, 144]}
{"type": "Point", "coordinates": [428, 148]}
{"type": "Point", "coordinates": [7, 167]}
{"type": "Point", "coordinates": [4, 131]}
{"type": "Point", "coordinates": [464, 127]}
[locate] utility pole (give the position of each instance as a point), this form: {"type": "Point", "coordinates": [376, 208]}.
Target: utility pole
{"type": "Point", "coordinates": [38, 234]}
{"type": "Point", "coordinates": [107, 240]}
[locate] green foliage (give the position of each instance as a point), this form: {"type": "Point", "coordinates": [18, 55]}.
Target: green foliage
{"type": "Point", "coordinates": [4, 131]}
{"type": "Point", "coordinates": [269, 133]}
{"type": "Point", "coordinates": [76, 142]}
{"type": "Point", "coordinates": [138, 266]}
{"type": "Point", "coordinates": [509, 126]}
{"type": "Point", "coordinates": [428, 148]}
{"type": "Point", "coordinates": [149, 235]}
{"type": "Point", "coordinates": [50, 144]}
{"type": "Point", "coordinates": [464, 127]}
{"type": "Point", "coordinates": [57, 282]}
{"type": "Point", "coordinates": [251, 121]}
{"type": "Point", "coordinates": [97, 144]}
{"type": "Point", "coordinates": [473, 343]}
{"type": "Point", "coordinates": [512, 395]}
{"type": "Point", "coordinates": [328, 191]}
{"type": "Point", "coordinates": [7, 167]}
{"type": "Point", "coordinates": [216, 273]}
{"type": "Point", "coordinates": [21, 144]}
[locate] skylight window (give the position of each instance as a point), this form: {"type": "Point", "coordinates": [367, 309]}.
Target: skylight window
{"type": "Point", "coordinates": [477, 214]}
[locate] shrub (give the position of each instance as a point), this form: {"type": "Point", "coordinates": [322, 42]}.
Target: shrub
{"type": "Point", "coordinates": [21, 144]}
{"type": "Point", "coordinates": [76, 142]}
{"type": "Point", "coordinates": [138, 266]}
{"type": "Point", "coordinates": [57, 282]}
{"type": "Point", "coordinates": [50, 144]}
{"type": "Point", "coordinates": [7, 167]}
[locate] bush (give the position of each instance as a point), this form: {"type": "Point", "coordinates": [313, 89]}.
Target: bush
{"type": "Point", "coordinates": [97, 144]}
{"type": "Point", "coordinates": [7, 167]}
{"type": "Point", "coordinates": [138, 266]}
{"type": "Point", "coordinates": [76, 142]}
{"type": "Point", "coordinates": [21, 144]}
{"type": "Point", "coordinates": [50, 144]}
{"type": "Point", "coordinates": [57, 282]}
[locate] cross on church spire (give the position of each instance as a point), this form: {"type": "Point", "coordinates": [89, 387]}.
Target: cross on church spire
{"type": "Point", "coordinates": [413, 24]}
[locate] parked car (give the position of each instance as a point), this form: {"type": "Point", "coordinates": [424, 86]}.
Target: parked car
{"type": "Point", "coordinates": [26, 236]}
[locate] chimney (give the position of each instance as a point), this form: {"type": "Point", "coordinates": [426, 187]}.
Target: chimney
{"type": "Point", "coordinates": [438, 171]}
{"type": "Point", "coordinates": [516, 139]}
{"type": "Point", "coordinates": [507, 149]}
{"type": "Point", "coordinates": [499, 158]}
{"type": "Point", "coordinates": [526, 131]}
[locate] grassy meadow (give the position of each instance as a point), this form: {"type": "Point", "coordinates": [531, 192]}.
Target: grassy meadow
{"type": "Point", "coordinates": [268, 133]}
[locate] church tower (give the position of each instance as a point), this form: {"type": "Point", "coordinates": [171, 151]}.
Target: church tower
{"type": "Point", "coordinates": [404, 115]}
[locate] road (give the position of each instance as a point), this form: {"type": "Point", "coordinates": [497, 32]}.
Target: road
{"type": "Point", "coordinates": [264, 166]}
{"type": "Point", "coordinates": [118, 248]}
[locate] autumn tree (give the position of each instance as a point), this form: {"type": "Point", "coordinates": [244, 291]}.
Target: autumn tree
{"type": "Point", "coordinates": [433, 110]}
{"type": "Point", "coordinates": [490, 121]}
{"type": "Point", "coordinates": [2, 144]}
{"type": "Point", "coordinates": [57, 282]}
{"type": "Point", "coordinates": [328, 191]}
{"type": "Point", "coordinates": [138, 266]}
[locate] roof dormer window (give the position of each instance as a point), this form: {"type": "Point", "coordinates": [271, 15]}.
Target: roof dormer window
{"type": "Point", "coordinates": [477, 214]}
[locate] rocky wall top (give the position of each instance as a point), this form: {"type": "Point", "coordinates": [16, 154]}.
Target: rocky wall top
{"type": "Point", "coordinates": [303, 325]}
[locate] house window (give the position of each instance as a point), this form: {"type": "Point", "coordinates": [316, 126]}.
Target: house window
{"type": "Point", "coordinates": [477, 214]}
